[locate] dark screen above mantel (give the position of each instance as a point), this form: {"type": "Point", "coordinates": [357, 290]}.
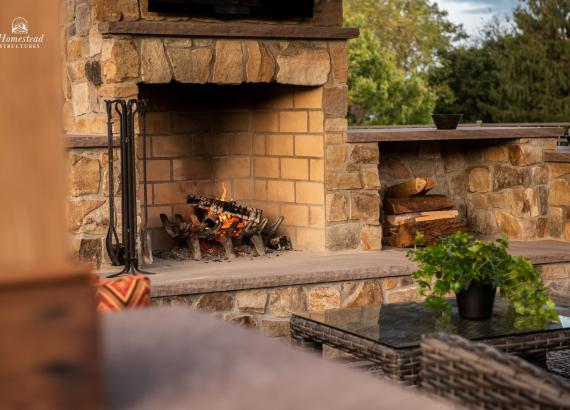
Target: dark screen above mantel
{"type": "Point", "coordinates": [236, 9]}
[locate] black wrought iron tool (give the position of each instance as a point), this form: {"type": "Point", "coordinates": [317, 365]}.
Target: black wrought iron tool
{"type": "Point", "coordinates": [124, 251]}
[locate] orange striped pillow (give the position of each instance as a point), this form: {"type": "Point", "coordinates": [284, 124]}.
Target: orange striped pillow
{"type": "Point", "coordinates": [127, 292]}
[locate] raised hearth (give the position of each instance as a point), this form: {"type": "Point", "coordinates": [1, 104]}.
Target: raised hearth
{"type": "Point", "coordinates": [299, 268]}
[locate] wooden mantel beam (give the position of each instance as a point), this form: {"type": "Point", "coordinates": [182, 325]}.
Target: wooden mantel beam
{"type": "Point", "coordinates": [227, 30]}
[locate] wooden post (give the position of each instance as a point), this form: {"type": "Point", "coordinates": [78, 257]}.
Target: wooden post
{"type": "Point", "coordinates": [49, 346]}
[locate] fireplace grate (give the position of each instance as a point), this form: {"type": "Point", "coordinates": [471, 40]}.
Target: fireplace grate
{"type": "Point", "coordinates": [224, 222]}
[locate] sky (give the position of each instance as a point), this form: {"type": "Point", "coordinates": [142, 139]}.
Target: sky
{"type": "Point", "coordinates": [474, 13]}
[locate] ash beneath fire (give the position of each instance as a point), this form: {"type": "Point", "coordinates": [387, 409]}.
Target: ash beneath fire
{"type": "Point", "coordinates": [223, 229]}
{"type": "Point", "coordinates": [215, 252]}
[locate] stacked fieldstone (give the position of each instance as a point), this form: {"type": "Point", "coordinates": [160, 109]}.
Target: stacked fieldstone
{"type": "Point", "coordinates": [287, 155]}
{"type": "Point", "coordinates": [499, 186]}
{"type": "Point", "coordinates": [559, 200]}
{"type": "Point", "coordinates": [88, 215]}
{"type": "Point", "coordinates": [508, 191]}
{"type": "Point", "coordinates": [269, 309]}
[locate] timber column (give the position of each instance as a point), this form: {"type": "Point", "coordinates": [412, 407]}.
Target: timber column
{"type": "Point", "coordinates": [49, 345]}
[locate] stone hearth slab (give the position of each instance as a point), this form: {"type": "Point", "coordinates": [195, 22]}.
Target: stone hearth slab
{"type": "Point", "coordinates": [288, 269]}
{"type": "Point", "coordinates": [299, 268]}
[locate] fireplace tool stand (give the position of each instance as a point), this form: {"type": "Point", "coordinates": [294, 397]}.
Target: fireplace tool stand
{"type": "Point", "coordinates": [124, 252]}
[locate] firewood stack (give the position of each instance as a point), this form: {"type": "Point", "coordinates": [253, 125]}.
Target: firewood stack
{"type": "Point", "coordinates": [409, 209]}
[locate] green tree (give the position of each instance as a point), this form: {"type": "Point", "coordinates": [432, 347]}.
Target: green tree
{"type": "Point", "coordinates": [524, 75]}
{"type": "Point", "coordinates": [533, 62]}
{"type": "Point", "coordinates": [400, 42]}
{"type": "Point", "coordinates": [466, 81]}
{"type": "Point", "coordinates": [380, 91]}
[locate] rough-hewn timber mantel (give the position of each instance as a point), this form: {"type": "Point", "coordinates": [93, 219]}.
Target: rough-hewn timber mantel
{"type": "Point", "coordinates": [359, 134]}
{"type": "Point", "coordinates": [89, 141]}
{"type": "Point", "coordinates": [227, 30]}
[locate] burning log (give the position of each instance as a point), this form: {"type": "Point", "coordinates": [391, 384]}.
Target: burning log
{"type": "Point", "coordinates": [232, 208]}
{"type": "Point", "coordinates": [224, 222]}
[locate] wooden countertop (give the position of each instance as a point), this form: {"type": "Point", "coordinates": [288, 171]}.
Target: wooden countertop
{"type": "Point", "coordinates": [227, 30]}
{"type": "Point", "coordinates": [363, 134]}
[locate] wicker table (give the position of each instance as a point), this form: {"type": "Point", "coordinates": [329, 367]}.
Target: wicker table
{"type": "Point", "coordinates": [389, 335]}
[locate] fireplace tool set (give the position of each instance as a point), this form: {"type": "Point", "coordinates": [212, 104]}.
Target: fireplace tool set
{"type": "Point", "coordinates": [124, 251]}
{"type": "Point", "coordinates": [210, 220]}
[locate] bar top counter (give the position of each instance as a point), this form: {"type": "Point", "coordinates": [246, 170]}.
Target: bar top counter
{"type": "Point", "coordinates": [388, 134]}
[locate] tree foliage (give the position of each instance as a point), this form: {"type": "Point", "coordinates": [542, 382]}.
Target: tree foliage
{"type": "Point", "coordinates": [518, 73]}
{"type": "Point", "coordinates": [400, 43]}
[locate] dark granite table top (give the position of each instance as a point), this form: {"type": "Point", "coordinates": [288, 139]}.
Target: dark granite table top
{"type": "Point", "coordinates": [402, 325]}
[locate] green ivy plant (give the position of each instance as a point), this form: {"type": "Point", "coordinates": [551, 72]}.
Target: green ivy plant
{"type": "Point", "coordinates": [456, 261]}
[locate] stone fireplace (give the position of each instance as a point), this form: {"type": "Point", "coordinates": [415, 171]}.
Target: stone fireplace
{"type": "Point", "coordinates": [256, 107]}
{"type": "Point", "coordinates": [259, 108]}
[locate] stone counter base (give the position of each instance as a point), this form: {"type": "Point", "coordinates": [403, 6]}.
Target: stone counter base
{"type": "Point", "coordinates": [269, 309]}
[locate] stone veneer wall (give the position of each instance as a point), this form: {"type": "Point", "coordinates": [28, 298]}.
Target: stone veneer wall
{"type": "Point", "coordinates": [269, 309]}
{"type": "Point", "coordinates": [510, 190]}
{"type": "Point", "coordinates": [117, 66]}
{"type": "Point", "coordinates": [559, 200]}
{"type": "Point", "coordinates": [87, 202]}
{"type": "Point", "coordinates": [352, 183]}
{"type": "Point", "coordinates": [501, 186]}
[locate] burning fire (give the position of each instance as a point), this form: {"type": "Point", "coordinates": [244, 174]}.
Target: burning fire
{"type": "Point", "coordinates": [228, 220]}
{"type": "Point", "coordinates": [224, 193]}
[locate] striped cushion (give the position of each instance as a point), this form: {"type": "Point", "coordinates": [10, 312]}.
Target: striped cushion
{"type": "Point", "coordinates": [122, 293]}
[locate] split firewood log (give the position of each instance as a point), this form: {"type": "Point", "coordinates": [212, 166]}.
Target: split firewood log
{"type": "Point", "coordinates": [421, 217]}
{"type": "Point", "coordinates": [421, 203]}
{"type": "Point", "coordinates": [403, 236]}
{"type": "Point", "coordinates": [411, 187]}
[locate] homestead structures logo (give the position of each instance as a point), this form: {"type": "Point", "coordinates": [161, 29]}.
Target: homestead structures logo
{"type": "Point", "coordinates": [19, 26]}
{"type": "Point", "coordinates": [20, 37]}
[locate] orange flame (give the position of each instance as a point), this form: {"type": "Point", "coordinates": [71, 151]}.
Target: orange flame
{"type": "Point", "coordinates": [225, 191]}
{"type": "Point", "coordinates": [226, 219]}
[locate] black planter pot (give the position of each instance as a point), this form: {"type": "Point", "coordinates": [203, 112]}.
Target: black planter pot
{"type": "Point", "coordinates": [476, 303]}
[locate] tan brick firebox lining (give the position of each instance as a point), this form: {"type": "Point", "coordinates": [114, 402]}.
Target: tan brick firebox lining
{"type": "Point", "coordinates": [267, 152]}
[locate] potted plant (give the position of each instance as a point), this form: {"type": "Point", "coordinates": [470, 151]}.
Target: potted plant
{"type": "Point", "coordinates": [473, 270]}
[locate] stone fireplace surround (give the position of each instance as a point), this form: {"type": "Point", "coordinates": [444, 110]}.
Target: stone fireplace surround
{"type": "Point", "coordinates": [261, 107]}
{"type": "Point", "coordinates": [274, 131]}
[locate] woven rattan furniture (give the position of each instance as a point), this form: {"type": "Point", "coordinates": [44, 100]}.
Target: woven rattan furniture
{"type": "Point", "coordinates": [390, 335]}
{"type": "Point", "coordinates": [478, 376]}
